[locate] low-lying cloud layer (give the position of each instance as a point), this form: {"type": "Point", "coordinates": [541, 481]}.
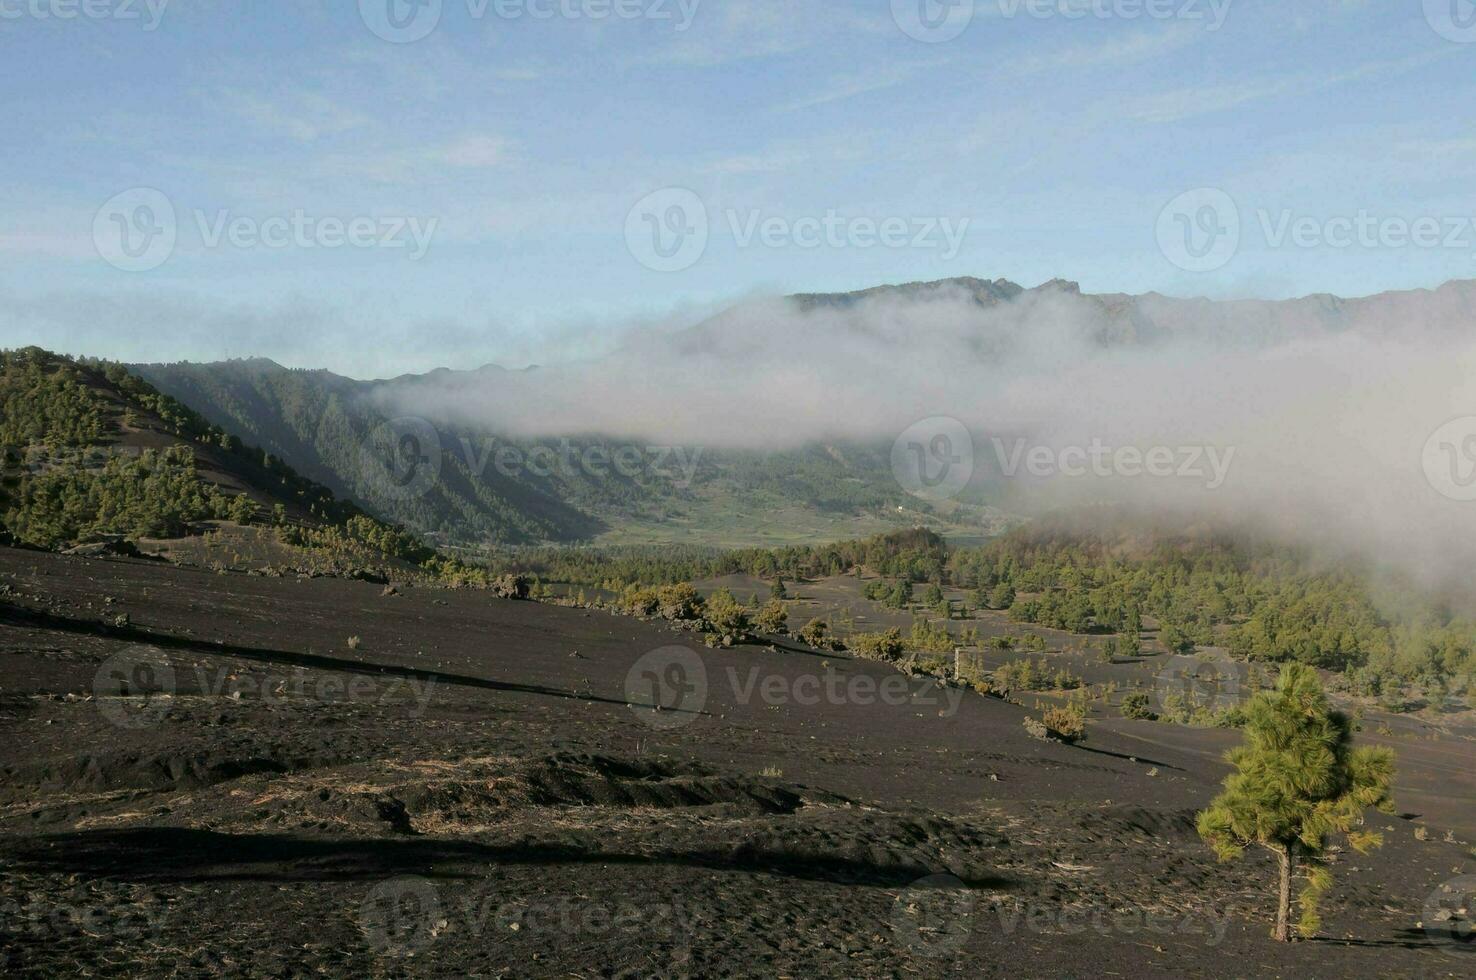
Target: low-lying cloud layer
{"type": "Point", "coordinates": [1315, 414]}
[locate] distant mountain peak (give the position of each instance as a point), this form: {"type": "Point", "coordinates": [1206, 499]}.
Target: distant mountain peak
{"type": "Point", "coordinates": [983, 292]}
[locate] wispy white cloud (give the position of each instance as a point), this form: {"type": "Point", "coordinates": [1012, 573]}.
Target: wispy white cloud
{"type": "Point", "coordinates": [473, 152]}
{"type": "Point", "coordinates": [853, 84]}
{"type": "Point", "coordinates": [415, 163]}
{"type": "Point", "coordinates": [1169, 107]}
{"type": "Point", "coordinates": [1130, 49]}
{"type": "Point", "coordinates": [742, 30]}
{"type": "Point", "coordinates": [304, 116]}
{"type": "Point", "coordinates": [764, 162]}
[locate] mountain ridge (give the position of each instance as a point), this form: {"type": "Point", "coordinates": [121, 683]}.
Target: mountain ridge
{"type": "Point", "coordinates": [318, 420]}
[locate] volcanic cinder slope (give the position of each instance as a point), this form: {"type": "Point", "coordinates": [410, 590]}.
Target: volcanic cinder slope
{"type": "Point", "coordinates": [351, 781]}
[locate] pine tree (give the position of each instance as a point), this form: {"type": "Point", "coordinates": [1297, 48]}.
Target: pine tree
{"type": "Point", "coordinates": [778, 591]}
{"type": "Point", "coordinates": [1298, 781]}
{"type": "Point", "coordinates": [933, 597]}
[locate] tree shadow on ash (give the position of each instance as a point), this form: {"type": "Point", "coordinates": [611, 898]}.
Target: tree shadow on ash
{"type": "Point", "coordinates": [1409, 939]}
{"type": "Point", "coordinates": [1128, 758]}
{"type": "Point", "coordinates": [792, 646]}
{"type": "Point", "coordinates": [17, 616]}
{"type": "Point", "coordinates": [183, 855]}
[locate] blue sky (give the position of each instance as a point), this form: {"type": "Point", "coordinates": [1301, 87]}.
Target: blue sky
{"type": "Point", "coordinates": [518, 135]}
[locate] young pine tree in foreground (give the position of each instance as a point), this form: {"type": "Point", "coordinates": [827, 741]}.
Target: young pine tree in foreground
{"type": "Point", "coordinates": [1298, 781]}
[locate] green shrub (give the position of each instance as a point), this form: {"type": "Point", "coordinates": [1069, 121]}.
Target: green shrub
{"type": "Point", "coordinates": [640, 602]}
{"type": "Point", "coordinates": [725, 616]}
{"type": "Point", "coordinates": [679, 602]}
{"type": "Point", "coordinates": [816, 633]}
{"type": "Point", "coordinates": [886, 646]}
{"type": "Point", "coordinates": [1138, 707]}
{"type": "Point", "coordinates": [772, 618]}
{"type": "Point", "coordinates": [1067, 722]}
{"type": "Point", "coordinates": [1027, 675]}
{"type": "Point", "coordinates": [929, 638]}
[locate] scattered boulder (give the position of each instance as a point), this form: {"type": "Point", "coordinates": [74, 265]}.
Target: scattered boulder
{"type": "Point", "coordinates": [512, 587]}
{"type": "Point", "coordinates": [107, 548]}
